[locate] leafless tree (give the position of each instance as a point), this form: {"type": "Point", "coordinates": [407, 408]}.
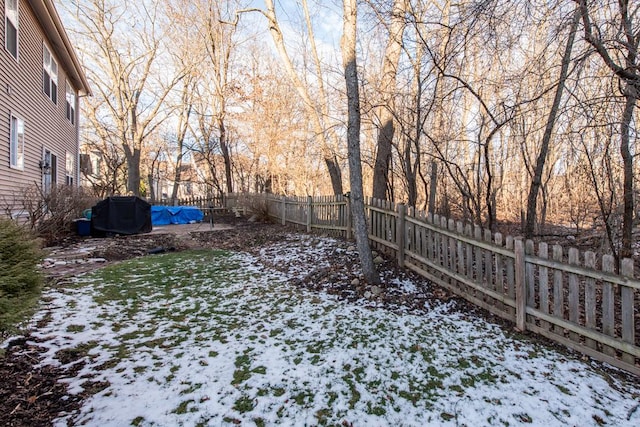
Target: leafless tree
{"type": "Point", "coordinates": [123, 69]}
{"type": "Point", "coordinates": [348, 47]}
{"type": "Point", "coordinates": [613, 29]}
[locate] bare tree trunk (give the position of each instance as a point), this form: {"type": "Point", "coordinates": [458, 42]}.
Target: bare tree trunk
{"type": "Point", "coordinates": [631, 97]}
{"type": "Point", "coordinates": [133, 170]}
{"type": "Point", "coordinates": [388, 88]}
{"type": "Point", "coordinates": [335, 173]}
{"type": "Point", "coordinates": [433, 185]}
{"type": "Point", "coordinates": [152, 192]}
{"type": "Point", "coordinates": [177, 176]}
{"type": "Point", "coordinates": [224, 147]}
{"type": "Point", "coordinates": [383, 158]}
{"type": "Point", "coordinates": [348, 46]}
{"type": "Point", "coordinates": [536, 180]}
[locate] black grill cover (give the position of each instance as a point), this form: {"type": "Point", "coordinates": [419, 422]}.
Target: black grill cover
{"type": "Point", "coordinates": [120, 215]}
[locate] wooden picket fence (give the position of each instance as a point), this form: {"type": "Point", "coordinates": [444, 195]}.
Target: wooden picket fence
{"type": "Point", "coordinates": [204, 203]}
{"type": "Point", "coordinates": [567, 296]}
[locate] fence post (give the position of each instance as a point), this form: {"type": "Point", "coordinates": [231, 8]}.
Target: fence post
{"type": "Point", "coordinates": [521, 290]}
{"type": "Point", "coordinates": [348, 219]}
{"type": "Point", "coordinates": [627, 309]}
{"type": "Point", "coordinates": [309, 207]}
{"type": "Point", "coordinates": [284, 210]}
{"type": "Point", "coordinates": [400, 233]}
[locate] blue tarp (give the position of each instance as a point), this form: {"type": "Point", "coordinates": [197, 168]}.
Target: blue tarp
{"type": "Point", "coordinates": [164, 215]}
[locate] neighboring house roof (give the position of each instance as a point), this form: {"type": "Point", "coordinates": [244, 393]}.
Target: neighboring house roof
{"type": "Point", "coordinates": [46, 13]}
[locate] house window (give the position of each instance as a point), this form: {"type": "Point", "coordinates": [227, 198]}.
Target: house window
{"type": "Point", "coordinates": [16, 143]}
{"type": "Point", "coordinates": [71, 104]}
{"type": "Point", "coordinates": [54, 170]}
{"type": "Point", "coordinates": [69, 161]}
{"type": "Point", "coordinates": [49, 75]}
{"type": "Point", "coordinates": [11, 27]}
{"type": "Point", "coordinates": [97, 166]}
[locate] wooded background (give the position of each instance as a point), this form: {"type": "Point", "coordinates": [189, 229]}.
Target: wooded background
{"type": "Point", "coordinates": [487, 111]}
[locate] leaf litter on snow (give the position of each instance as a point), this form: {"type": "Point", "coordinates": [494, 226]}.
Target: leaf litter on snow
{"type": "Point", "coordinates": [283, 336]}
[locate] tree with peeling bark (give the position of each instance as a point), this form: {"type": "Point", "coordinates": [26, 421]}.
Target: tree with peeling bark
{"type": "Point", "coordinates": [348, 47]}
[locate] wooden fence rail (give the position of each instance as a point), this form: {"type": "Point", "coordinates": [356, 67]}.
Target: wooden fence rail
{"type": "Point", "coordinates": [571, 298]}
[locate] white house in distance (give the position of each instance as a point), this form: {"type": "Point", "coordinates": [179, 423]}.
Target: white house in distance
{"type": "Point", "coordinates": [41, 80]}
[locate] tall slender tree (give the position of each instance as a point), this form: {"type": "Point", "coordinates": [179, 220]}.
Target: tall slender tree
{"type": "Point", "coordinates": [536, 179]}
{"type": "Point", "coordinates": [348, 47]}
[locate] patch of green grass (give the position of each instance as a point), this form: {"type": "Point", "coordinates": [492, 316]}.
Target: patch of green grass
{"type": "Point", "coordinates": [158, 342]}
{"type": "Point", "coordinates": [191, 388]}
{"type": "Point", "coordinates": [564, 389]}
{"type": "Point", "coordinates": [244, 404]}
{"type": "Point", "coordinates": [260, 370]}
{"type": "Point", "coordinates": [240, 376]}
{"type": "Point", "coordinates": [379, 410]}
{"type": "Point", "coordinates": [75, 328]}
{"type": "Point", "coordinates": [410, 396]}
{"type": "Point", "coordinates": [243, 373]}
{"type": "Point", "coordinates": [333, 396]}
{"type": "Point", "coordinates": [457, 389]}
{"type": "Point", "coordinates": [275, 332]}
{"type": "Point", "coordinates": [463, 363]}
{"type": "Point", "coordinates": [137, 421]}
{"type": "Point", "coordinates": [183, 407]}
{"type": "Point", "coordinates": [304, 397]}
{"type": "Point", "coordinates": [447, 416]}
{"type": "Point", "coordinates": [468, 381]}
{"type": "Point", "coordinates": [354, 393]}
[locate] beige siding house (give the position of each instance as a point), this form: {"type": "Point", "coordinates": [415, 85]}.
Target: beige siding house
{"type": "Point", "coordinates": [41, 81]}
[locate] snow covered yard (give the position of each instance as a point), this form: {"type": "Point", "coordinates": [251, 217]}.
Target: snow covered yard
{"type": "Point", "coordinates": [220, 338]}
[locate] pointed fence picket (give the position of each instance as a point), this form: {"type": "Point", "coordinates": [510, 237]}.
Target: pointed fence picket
{"type": "Point", "coordinates": [564, 295]}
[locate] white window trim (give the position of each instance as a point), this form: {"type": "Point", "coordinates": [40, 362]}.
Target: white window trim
{"type": "Point", "coordinates": [12, 135]}
{"type": "Point", "coordinates": [49, 70]}
{"type": "Point", "coordinates": [69, 160]}
{"type": "Point", "coordinates": [72, 117]}
{"type": "Point", "coordinates": [15, 24]}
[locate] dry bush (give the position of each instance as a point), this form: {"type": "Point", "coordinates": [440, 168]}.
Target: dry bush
{"type": "Point", "coordinates": [50, 215]}
{"type": "Point", "coordinates": [64, 204]}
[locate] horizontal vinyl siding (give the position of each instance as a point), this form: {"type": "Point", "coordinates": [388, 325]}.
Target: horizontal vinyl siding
{"type": "Point", "coordinates": [46, 125]}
